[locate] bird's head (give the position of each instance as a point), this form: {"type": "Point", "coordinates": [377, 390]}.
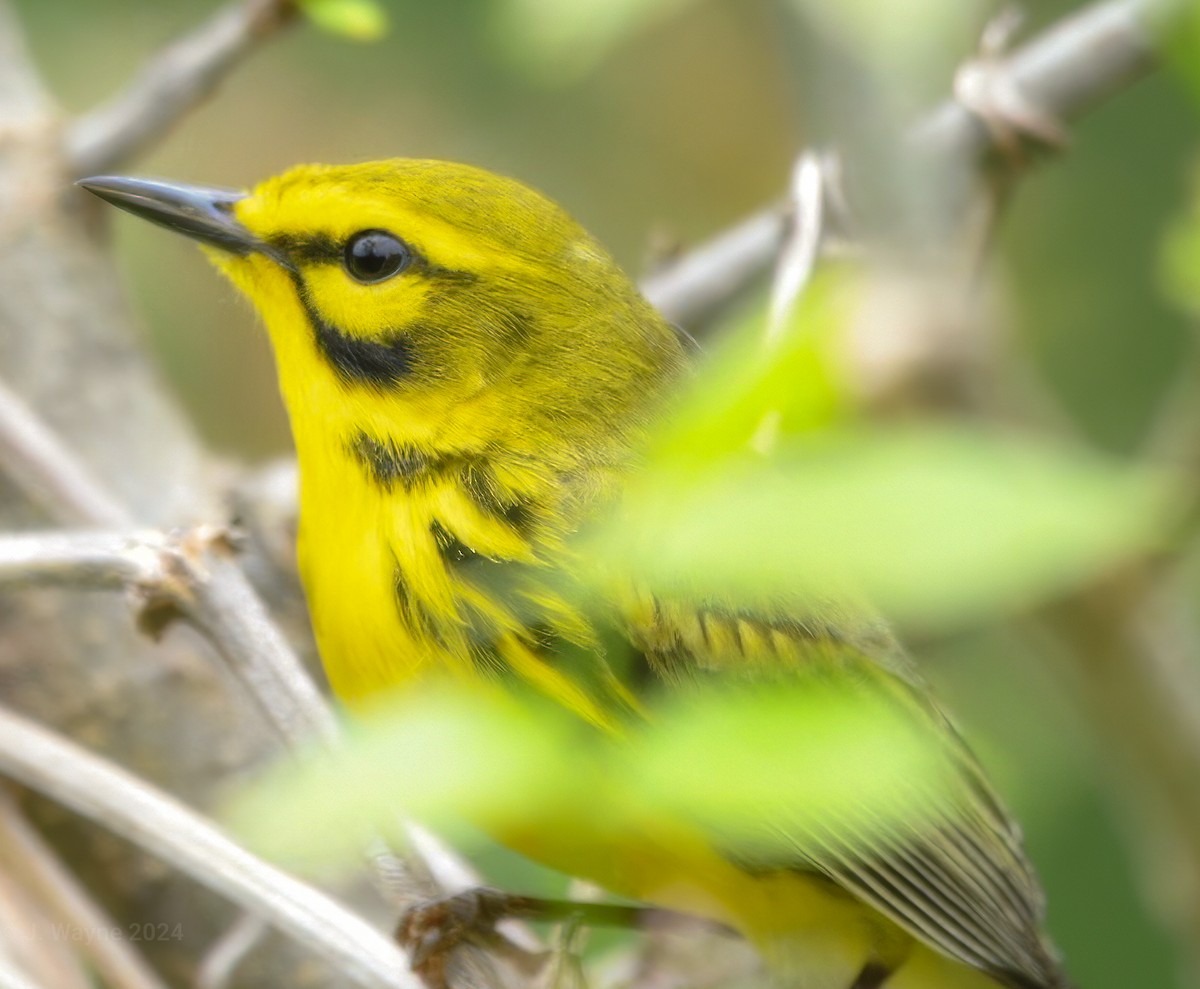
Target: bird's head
{"type": "Point", "coordinates": [439, 297]}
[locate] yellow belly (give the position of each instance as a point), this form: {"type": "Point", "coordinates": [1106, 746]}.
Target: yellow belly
{"type": "Point", "coordinates": [811, 934]}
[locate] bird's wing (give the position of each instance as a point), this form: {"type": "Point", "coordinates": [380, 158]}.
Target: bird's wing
{"type": "Point", "coordinates": [953, 874]}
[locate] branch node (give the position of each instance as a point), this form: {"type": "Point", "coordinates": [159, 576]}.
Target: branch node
{"type": "Point", "coordinates": [985, 86]}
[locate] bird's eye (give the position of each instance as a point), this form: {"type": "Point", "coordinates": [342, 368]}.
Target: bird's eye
{"type": "Point", "coordinates": [373, 255]}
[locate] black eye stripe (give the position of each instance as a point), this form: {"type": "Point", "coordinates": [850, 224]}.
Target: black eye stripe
{"type": "Point", "coordinates": [313, 249]}
{"type": "Point", "coordinates": [309, 248]}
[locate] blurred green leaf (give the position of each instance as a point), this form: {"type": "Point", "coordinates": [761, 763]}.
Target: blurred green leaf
{"type": "Point", "coordinates": [438, 754]}
{"type": "Point", "coordinates": [561, 42]}
{"type": "Point", "coordinates": [360, 20]}
{"type": "Point", "coordinates": [929, 524]}
{"type": "Point", "coordinates": [758, 766]}
{"type": "Point", "coordinates": [744, 379]}
{"type": "Point", "coordinates": [749, 766]}
{"type": "Point", "coordinates": [1180, 39]}
{"type": "Point", "coordinates": [1181, 249]}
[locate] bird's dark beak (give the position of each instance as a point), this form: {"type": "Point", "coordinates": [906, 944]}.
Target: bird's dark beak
{"type": "Point", "coordinates": [203, 214]}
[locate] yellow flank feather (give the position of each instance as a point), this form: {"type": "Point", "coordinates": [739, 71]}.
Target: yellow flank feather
{"type": "Point", "coordinates": [469, 377]}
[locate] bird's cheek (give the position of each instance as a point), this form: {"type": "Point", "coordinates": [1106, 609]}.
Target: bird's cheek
{"type": "Point", "coordinates": [257, 277]}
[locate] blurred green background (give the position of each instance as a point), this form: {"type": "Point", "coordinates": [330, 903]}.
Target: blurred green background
{"type": "Point", "coordinates": [680, 129]}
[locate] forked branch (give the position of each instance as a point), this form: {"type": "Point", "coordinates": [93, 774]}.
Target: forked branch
{"type": "Point", "coordinates": [1062, 73]}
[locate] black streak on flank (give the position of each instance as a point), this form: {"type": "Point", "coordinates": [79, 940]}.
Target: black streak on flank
{"type": "Point", "coordinates": [412, 613]}
{"type": "Point", "coordinates": [452, 550]}
{"type": "Point", "coordinates": [481, 486]}
{"type": "Point", "coordinates": [386, 462]}
{"type": "Point", "coordinates": [873, 976]}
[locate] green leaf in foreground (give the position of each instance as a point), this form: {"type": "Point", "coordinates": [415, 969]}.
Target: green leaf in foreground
{"type": "Point", "coordinates": [743, 379]}
{"type": "Point", "coordinates": [438, 754]}
{"type": "Point", "coordinates": [1179, 38]}
{"type": "Point", "coordinates": [750, 769]}
{"type": "Point", "coordinates": [762, 766]}
{"type": "Point", "coordinates": [1180, 267]}
{"type": "Point", "coordinates": [359, 20]}
{"type": "Point", "coordinates": [930, 525]}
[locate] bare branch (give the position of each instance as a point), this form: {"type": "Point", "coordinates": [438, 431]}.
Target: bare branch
{"type": "Point", "coordinates": [169, 575]}
{"type": "Point", "coordinates": [1061, 73]}
{"type": "Point", "coordinates": [12, 977]}
{"type": "Point", "coordinates": [218, 966]}
{"type": "Point", "coordinates": [220, 602]}
{"type": "Point", "coordinates": [31, 859]}
{"type": "Point", "coordinates": [50, 474]}
{"type": "Point", "coordinates": [24, 924]}
{"type": "Point", "coordinates": [121, 802]}
{"type": "Point", "coordinates": [798, 258]}
{"type": "Point", "coordinates": [22, 97]}
{"type": "Point", "coordinates": [172, 84]}
{"type": "Point", "coordinates": [190, 576]}
{"type": "Point", "coordinates": [794, 269]}
{"type": "Point", "coordinates": [704, 279]}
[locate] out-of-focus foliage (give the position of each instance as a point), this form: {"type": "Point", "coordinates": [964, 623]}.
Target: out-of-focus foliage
{"type": "Point", "coordinates": [794, 377]}
{"type": "Point", "coordinates": [441, 754]}
{"type": "Point", "coordinates": [1181, 43]}
{"type": "Point", "coordinates": [362, 20]}
{"type": "Point", "coordinates": [1181, 253]}
{"type": "Point", "coordinates": [930, 525]}
{"type": "Point", "coordinates": [757, 767]}
{"type": "Point", "coordinates": [559, 42]}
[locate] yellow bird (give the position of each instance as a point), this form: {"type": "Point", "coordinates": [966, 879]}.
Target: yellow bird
{"type": "Point", "coordinates": [469, 375]}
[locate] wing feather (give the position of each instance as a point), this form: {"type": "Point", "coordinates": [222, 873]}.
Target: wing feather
{"type": "Point", "coordinates": [954, 875]}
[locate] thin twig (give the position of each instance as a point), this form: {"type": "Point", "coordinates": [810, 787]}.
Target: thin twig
{"type": "Point", "coordinates": [171, 85]}
{"type": "Point", "coordinates": [702, 281]}
{"type": "Point", "coordinates": [794, 270]}
{"type": "Point", "coordinates": [190, 576]}
{"type": "Point", "coordinates": [41, 872]}
{"type": "Point", "coordinates": [12, 977]}
{"type": "Point", "coordinates": [22, 98]}
{"type": "Point", "coordinates": [217, 967]}
{"type": "Point", "coordinates": [117, 800]}
{"type": "Point", "coordinates": [82, 560]}
{"type": "Point", "coordinates": [798, 257]}
{"type": "Point", "coordinates": [220, 602]}
{"type": "Point", "coordinates": [29, 941]}
{"type": "Point", "coordinates": [50, 474]}
{"type": "Point", "coordinates": [1062, 72]}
